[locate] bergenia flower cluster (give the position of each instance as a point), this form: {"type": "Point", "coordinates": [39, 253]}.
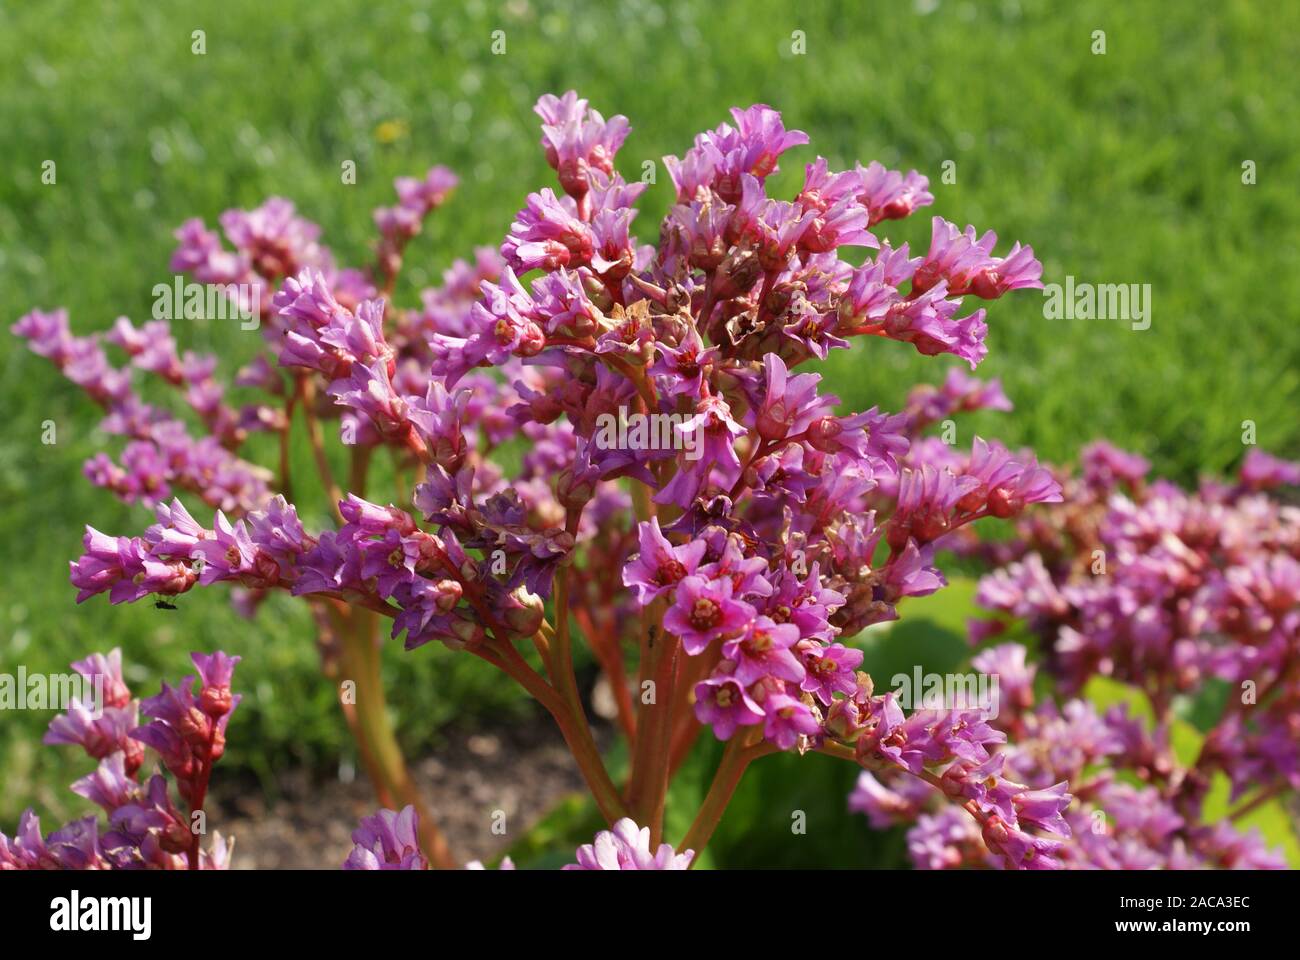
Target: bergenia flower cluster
{"type": "Point", "coordinates": [149, 827]}
{"type": "Point", "coordinates": [1173, 593]}
{"type": "Point", "coordinates": [688, 502]}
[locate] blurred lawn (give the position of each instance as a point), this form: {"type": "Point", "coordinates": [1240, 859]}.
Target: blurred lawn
{"type": "Point", "coordinates": [1123, 168]}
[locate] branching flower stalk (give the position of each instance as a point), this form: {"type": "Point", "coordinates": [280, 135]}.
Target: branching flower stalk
{"type": "Point", "coordinates": [1133, 581]}
{"type": "Point", "coordinates": [685, 497]}
{"type": "Point", "coordinates": [145, 829]}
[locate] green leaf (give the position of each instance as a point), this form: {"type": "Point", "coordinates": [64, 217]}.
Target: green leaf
{"type": "Point", "coordinates": [931, 633]}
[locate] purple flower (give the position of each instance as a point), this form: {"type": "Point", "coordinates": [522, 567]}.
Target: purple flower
{"type": "Point", "coordinates": [747, 573]}
{"type": "Point", "coordinates": [1261, 471]}
{"type": "Point", "coordinates": [1006, 485]}
{"type": "Point", "coordinates": [358, 337]}
{"type": "Point", "coordinates": [890, 195]}
{"type": "Point", "coordinates": [108, 670]}
{"type": "Point", "coordinates": [659, 566]}
{"type": "Point", "coordinates": [627, 847]}
{"type": "Point", "coordinates": [829, 670]}
{"type": "Point", "coordinates": [788, 403]}
{"type": "Point", "coordinates": [545, 235]}
{"type": "Point", "coordinates": [703, 611]}
{"type": "Point", "coordinates": [765, 650]}
{"type": "Point", "coordinates": [99, 730]}
{"type": "Point", "coordinates": [109, 786]}
{"type": "Point", "coordinates": [1015, 677]}
{"type": "Point", "coordinates": [200, 254]}
{"type": "Point", "coordinates": [387, 840]}
{"type": "Point", "coordinates": [215, 671]}
{"type": "Point", "coordinates": [274, 239]}
{"type": "Point", "coordinates": [578, 140]}
{"type": "Point", "coordinates": [945, 840]}
{"type": "Point", "coordinates": [1020, 850]}
{"type": "Point", "coordinates": [842, 220]}
{"type": "Point", "coordinates": [887, 807]}
{"type": "Point", "coordinates": [786, 719]}
{"type": "Point", "coordinates": [109, 563]}
{"type": "Point", "coordinates": [681, 369]}
{"type": "Point", "coordinates": [723, 703]}
{"type": "Point", "coordinates": [369, 391]}
{"type": "Point", "coordinates": [1043, 808]}
{"type": "Point", "coordinates": [416, 198]}
{"type": "Point", "coordinates": [72, 847]}
{"type": "Point", "coordinates": [928, 500]}
{"type": "Point", "coordinates": [229, 554]}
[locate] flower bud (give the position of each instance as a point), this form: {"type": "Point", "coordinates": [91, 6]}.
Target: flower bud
{"type": "Point", "coordinates": [973, 501]}
{"type": "Point", "coordinates": [174, 837]}
{"type": "Point", "coordinates": [265, 569]}
{"type": "Point", "coordinates": [526, 618]}
{"type": "Point", "coordinates": [737, 274]}
{"type": "Point", "coordinates": [597, 293]}
{"type": "Point", "coordinates": [575, 494]}
{"type": "Point", "coordinates": [823, 434]}
{"type": "Point", "coordinates": [532, 341]}
{"type": "Point", "coordinates": [215, 701]}
{"type": "Point", "coordinates": [464, 632]}
{"type": "Point", "coordinates": [843, 721]}
{"type": "Point", "coordinates": [573, 177]}
{"type": "Point", "coordinates": [194, 727]}
{"type": "Point", "coordinates": [448, 595]}
{"type": "Point", "coordinates": [1004, 503]}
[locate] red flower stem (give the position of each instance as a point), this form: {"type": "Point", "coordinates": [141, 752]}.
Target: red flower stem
{"type": "Point", "coordinates": [1261, 798]}
{"type": "Point", "coordinates": [307, 393]}
{"type": "Point", "coordinates": [735, 760]}
{"type": "Point", "coordinates": [359, 470]}
{"type": "Point", "coordinates": [542, 643]}
{"type": "Point", "coordinates": [198, 793]}
{"type": "Point", "coordinates": [286, 473]}
{"type": "Point", "coordinates": [505, 658]}
{"type": "Point", "coordinates": [565, 679]}
{"type": "Point", "coordinates": [610, 654]}
{"type": "Point", "coordinates": [361, 662]}
{"type": "Point", "coordinates": [650, 761]}
{"type": "Point", "coordinates": [690, 670]}
{"type": "Point", "coordinates": [335, 613]}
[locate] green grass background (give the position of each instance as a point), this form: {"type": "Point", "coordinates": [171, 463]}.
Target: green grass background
{"type": "Point", "coordinates": [1120, 168]}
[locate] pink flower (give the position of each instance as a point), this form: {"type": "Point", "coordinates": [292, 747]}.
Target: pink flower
{"type": "Point", "coordinates": [786, 719]}
{"type": "Point", "coordinates": [703, 611]}
{"type": "Point", "coordinates": [627, 847]}
{"type": "Point", "coordinates": [546, 235]}
{"type": "Point", "coordinates": [890, 195]}
{"type": "Point", "coordinates": [722, 702]}
{"type": "Point", "coordinates": [388, 840]}
{"type": "Point", "coordinates": [765, 650]}
{"type": "Point", "coordinates": [659, 566]}
{"type": "Point", "coordinates": [578, 140]}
